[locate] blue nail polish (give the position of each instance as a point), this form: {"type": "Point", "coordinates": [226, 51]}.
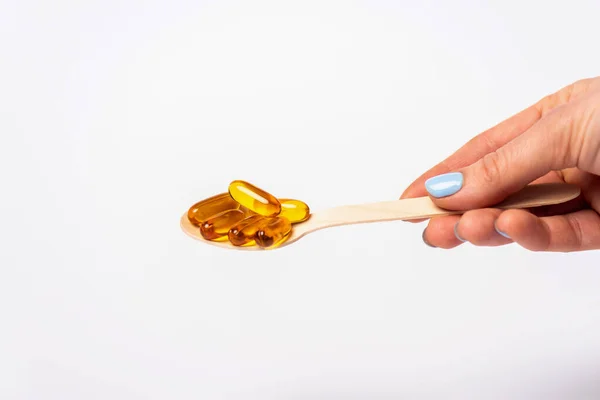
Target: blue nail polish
{"type": "Point", "coordinates": [500, 232]}
{"type": "Point", "coordinates": [444, 185]}
{"type": "Point", "coordinates": [456, 233]}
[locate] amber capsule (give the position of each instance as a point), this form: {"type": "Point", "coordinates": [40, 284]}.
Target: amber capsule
{"type": "Point", "coordinates": [246, 211]}
{"type": "Point", "coordinates": [206, 208]}
{"type": "Point", "coordinates": [294, 210]}
{"type": "Point", "coordinates": [254, 199]}
{"type": "Point", "coordinates": [217, 226]}
{"type": "Point", "coordinates": [275, 232]}
{"type": "Point", "coordinates": [243, 233]}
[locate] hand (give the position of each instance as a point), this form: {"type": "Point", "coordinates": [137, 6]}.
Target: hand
{"type": "Point", "coordinates": [555, 140]}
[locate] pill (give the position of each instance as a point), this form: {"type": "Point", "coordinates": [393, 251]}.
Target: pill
{"type": "Point", "coordinates": [246, 211]}
{"type": "Point", "coordinates": [274, 232]}
{"type": "Point", "coordinates": [217, 227]}
{"type": "Point", "coordinates": [243, 233]}
{"type": "Point", "coordinates": [294, 210]}
{"type": "Point", "coordinates": [254, 199]}
{"type": "Point", "coordinates": [206, 208]}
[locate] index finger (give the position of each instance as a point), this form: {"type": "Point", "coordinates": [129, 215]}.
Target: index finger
{"type": "Point", "coordinates": [499, 135]}
{"type": "Point", "coordinates": [482, 144]}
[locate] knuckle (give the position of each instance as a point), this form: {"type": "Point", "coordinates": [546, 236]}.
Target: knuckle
{"type": "Point", "coordinates": [566, 94]}
{"type": "Point", "coordinates": [546, 240]}
{"type": "Point", "coordinates": [586, 129]}
{"type": "Point", "coordinates": [577, 232]}
{"type": "Point", "coordinates": [567, 143]}
{"type": "Point", "coordinates": [550, 102]}
{"type": "Point", "coordinates": [573, 125]}
{"type": "Point", "coordinates": [491, 167]}
{"type": "Point", "coordinates": [560, 125]}
{"type": "Point", "coordinates": [566, 119]}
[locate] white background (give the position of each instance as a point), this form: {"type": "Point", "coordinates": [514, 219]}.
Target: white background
{"type": "Point", "coordinates": [116, 116]}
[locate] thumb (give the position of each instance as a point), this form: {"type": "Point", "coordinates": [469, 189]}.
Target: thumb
{"type": "Point", "coordinates": [546, 146]}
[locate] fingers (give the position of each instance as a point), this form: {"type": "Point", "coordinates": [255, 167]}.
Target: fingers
{"type": "Point", "coordinates": [562, 227]}
{"type": "Point", "coordinates": [478, 227]}
{"type": "Point", "coordinates": [499, 135]}
{"type": "Point", "coordinates": [546, 146]}
{"type": "Point", "coordinates": [475, 227]}
{"type": "Point", "coordinates": [477, 147]}
{"type": "Point", "coordinates": [440, 232]}
{"type": "Point", "coordinates": [552, 177]}
{"type": "Point", "coordinates": [577, 231]}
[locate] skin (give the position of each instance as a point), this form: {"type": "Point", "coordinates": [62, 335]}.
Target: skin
{"type": "Point", "coordinates": [557, 139]}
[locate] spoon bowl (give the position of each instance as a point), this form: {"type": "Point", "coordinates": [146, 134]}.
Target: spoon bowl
{"type": "Point", "coordinates": [535, 195]}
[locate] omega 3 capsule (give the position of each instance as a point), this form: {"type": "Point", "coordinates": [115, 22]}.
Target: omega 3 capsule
{"type": "Point", "coordinates": [274, 232]}
{"type": "Point", "coordinates": [217, 226]}
{"type": "Point", "coordinates": [243, 233]}
{"type": "Point", "coordinates": [254, 199]}
{"type": "Point", "coordinates": [206, 208]}
{"type": "Point", "coordinates": [246, 211]}
{"type": "Point", "coordinates": [294, 210]}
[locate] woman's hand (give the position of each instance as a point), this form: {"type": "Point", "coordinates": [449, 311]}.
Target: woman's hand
{"type": "Point", "coordinates": [555, 140]}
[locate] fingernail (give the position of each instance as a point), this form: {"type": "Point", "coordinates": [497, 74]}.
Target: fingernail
{"type": "Point", "coordinates": [456, 233]}
{"type": "Point", "coordinates": [425, 240]}
{"type": "Point", "coordinates": [500, 232]}
{"type": "Point", "coordinates": [444, 185]}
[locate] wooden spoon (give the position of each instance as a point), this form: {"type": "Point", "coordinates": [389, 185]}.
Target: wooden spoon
{"type": "Point", "coordinates": [535, 195]}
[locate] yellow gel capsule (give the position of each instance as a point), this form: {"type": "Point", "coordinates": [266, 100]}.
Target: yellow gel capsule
{"type": "Point", "coordinates": [217, 226]}
{"type": "Point", "coordinates": [294, 210]}
{"type": "Point", "coordinates": [246, 211]}
{"type": "Point", "coordinates": [254, 199]}
{"type": "Point", "coordinates": [243, 233]}
{"type": "Point", "coordinates": [206, 208]}
{"type": "Point", "coordinates": [275, 232]}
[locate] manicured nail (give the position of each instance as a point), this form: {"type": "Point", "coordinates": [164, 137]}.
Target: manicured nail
{"type": "Point", "coordinates": [500, 232]}
{"type": "Point", "coordinates": [444, 185]}
{"type": "Point", "coordinates": [456, 233]}
{"type": "Point", "coordinates": [425, 240]}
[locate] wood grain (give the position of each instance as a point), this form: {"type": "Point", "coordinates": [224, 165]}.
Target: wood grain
{"type": "Point", "coordinates": [543, 194]}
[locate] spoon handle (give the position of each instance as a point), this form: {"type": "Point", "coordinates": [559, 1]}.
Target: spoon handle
{"type": "Point", "coordinates": [534, 195]}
